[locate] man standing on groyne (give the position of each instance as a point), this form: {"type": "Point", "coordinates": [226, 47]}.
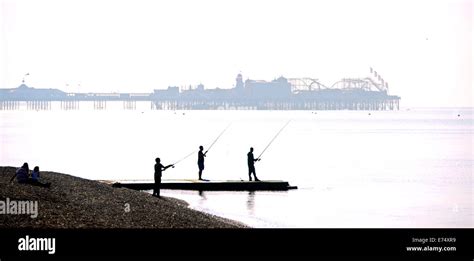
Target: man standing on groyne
{"type": "Point", "coordinates": [201, 156]}
{"type": "Point", "coordinates": [159, 168]}
{"type": "Point", "coordinates": [251, 163]}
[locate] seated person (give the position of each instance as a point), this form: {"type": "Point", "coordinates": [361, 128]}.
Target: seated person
{"type": "Point", "coordinates": [22, 176]}
{"type": "Point", "coordinates": [35, 178]}
{"type": "Point", "coordinates": [22, 173]}
{"type": "Point", "coordinates": [35, 174]}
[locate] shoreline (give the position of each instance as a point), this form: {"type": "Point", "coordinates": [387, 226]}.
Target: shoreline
{"type": "Point", "coordinates": [73, 202]}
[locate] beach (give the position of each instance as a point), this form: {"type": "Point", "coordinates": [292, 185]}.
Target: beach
{"type": "Point", "coordinates": [73, 202]}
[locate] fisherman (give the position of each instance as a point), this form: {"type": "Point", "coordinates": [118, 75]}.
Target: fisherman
{"type": "Point", "coordinates": [251, 163]}
{"type": "Point", "coordinates": [201, 156]}
{"type": "Point", "coordinates": [158, 170]}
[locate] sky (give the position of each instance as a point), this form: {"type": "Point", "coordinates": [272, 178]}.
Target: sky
{"type": "Point", "coordinates": [422, 48]}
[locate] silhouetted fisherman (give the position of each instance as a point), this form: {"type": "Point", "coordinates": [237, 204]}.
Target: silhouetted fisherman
{"type": "Point", "coordinates": [251, 162]}
{"type": "Point", "coordinates": [201, 156]}
{"type": "Point", "coordinates": [158, 170]}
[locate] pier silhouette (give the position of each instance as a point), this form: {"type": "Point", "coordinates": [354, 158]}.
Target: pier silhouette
{"type": "Point", "coordinates": [279, 94]}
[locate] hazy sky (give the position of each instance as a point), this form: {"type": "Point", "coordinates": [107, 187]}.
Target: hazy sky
{"type": "Point", "coordinates": [422, 48]}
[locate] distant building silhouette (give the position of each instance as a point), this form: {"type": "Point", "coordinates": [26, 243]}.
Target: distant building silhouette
{"type": "Point", "coordinates": [279, 94]}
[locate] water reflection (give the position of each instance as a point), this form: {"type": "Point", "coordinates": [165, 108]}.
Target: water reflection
{"type": "Point", "coordinates": [202, 198]}
{"type": "Point", "coordinates": [251, 203]}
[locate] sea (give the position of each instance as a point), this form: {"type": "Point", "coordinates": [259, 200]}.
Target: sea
{"type": "Point", "coordinates": [409, 168]}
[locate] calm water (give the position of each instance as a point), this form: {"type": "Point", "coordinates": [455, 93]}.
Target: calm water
{"type": "Point", "coordinates": [407, 168]}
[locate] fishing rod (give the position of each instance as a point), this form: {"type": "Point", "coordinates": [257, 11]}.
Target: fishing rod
{"type": "Point", "coordinates": [194, 151]}
{"type": "Point", "coordinates": [185, 157]}
{"type": "Point", "coordinates": [278, 133]}
{"type": "Point", "coordinates": [214, 142]}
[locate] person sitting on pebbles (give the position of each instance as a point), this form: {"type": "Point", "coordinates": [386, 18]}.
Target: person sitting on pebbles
{"type": "Point", "coordinates": [35, 175]}
{"type": "Point", "coordinates": [22, 176]}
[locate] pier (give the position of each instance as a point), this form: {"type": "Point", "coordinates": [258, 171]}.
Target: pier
{"type": "Point", "coordinates": [280, 94]}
